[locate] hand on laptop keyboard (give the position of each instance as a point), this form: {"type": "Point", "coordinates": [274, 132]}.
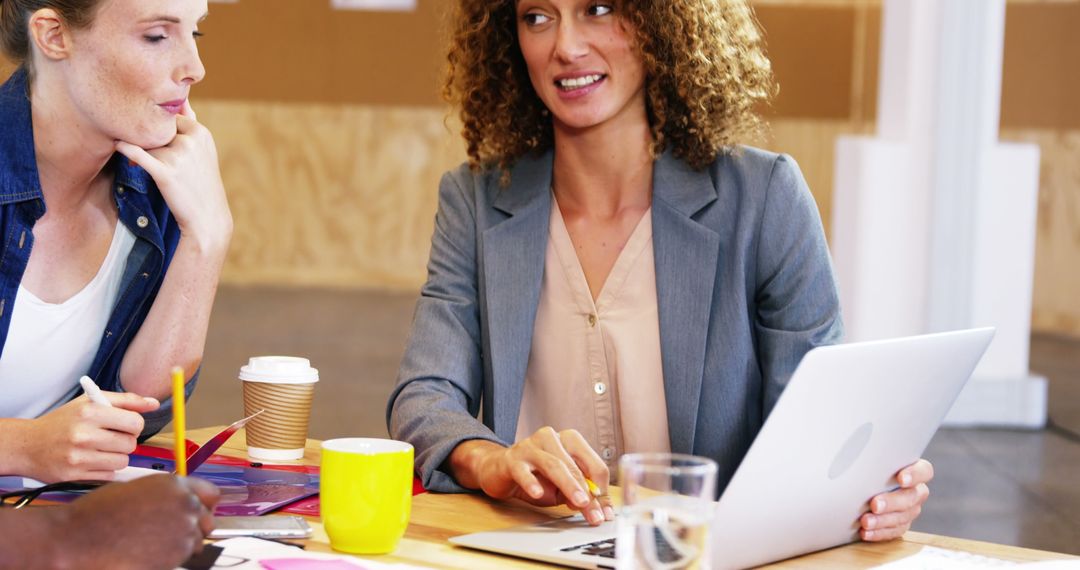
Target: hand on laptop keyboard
{"type": "Point", "coordinates": [659, 551]}
{"type": "Point", "coordinates": [547, 468]}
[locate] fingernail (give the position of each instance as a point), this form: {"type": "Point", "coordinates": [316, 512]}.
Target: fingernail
{"type": "Point", "coordinates": [609, 513]}
{"type": "Point", "coordinates": [150, 400]}
{"type": "Point", "coordinates": [868, 535]}
{"type": "Point", "coordinates": [871, 522]}
{"type": "Point", "coordinates": [580, 498]}
{"type": "Point", "coordinates": [879, 505]}
{"type": "Point", "coordinates": [535, 491]}
{"type": "Point", "coordinates": [905, 479]}
{"type": "Point", "coordinates": [596, 516]}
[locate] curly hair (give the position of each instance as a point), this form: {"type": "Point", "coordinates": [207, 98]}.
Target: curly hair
{"type": "Point", "coordinates": [706, 74]}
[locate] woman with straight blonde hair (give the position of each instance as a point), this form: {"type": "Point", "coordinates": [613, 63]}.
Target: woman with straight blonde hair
{"type": "Point", "coordinates": [113, 227]}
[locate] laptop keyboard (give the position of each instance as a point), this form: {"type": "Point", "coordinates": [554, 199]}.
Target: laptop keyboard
{"type": "Point", "coordinates": [606, 548]}
{"type": "Point", "coordinates": [602, 548]}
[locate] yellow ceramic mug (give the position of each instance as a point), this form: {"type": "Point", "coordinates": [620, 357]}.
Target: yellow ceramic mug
{"type": "Point", "coordinates": [365, 493]}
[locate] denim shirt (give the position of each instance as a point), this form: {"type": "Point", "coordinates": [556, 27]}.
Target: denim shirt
{"type": "Point", "coordinates": [141, 208]}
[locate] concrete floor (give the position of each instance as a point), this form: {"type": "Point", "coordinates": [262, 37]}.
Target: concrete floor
{"type": "Point", "coordinates": [1012, 487]}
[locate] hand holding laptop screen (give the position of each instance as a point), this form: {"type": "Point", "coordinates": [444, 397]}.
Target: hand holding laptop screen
{"type": "Point", "coordinates": [891, 514]}
{"type": "Point", "coordinates": [831, 450]}
{"type": "Point", "coordinates": [548, 468]}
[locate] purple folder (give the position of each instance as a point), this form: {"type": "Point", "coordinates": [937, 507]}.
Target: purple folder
{"type": "Point", "coordinates": [244, 490]}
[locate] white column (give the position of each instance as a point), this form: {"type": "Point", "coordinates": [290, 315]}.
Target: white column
{"type": "Point", "coordinates": [934, 219]}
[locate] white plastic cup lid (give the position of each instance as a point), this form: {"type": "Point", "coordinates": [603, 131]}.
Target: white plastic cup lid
{"type": "Point", "coordinates": [279, 370]}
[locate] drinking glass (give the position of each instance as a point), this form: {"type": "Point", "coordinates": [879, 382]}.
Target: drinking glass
{"type": "Point", "coordinates": [668, 505]}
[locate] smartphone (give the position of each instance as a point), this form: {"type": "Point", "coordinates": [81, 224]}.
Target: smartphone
{"type": "Point", "coordinates": [261, 527]}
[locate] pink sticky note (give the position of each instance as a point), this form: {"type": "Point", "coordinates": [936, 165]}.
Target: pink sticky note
{"type": "Point", "coordinates": [308, 564]}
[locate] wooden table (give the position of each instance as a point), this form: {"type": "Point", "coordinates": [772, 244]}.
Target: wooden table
{"type": "Point", "coordinates": [436, 517]}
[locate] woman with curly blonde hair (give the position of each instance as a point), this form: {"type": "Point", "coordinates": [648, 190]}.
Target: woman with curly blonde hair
{"type": "Point", "coordinates": [611, 272]}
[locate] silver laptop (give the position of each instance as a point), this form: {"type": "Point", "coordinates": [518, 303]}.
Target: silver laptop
{"type": "Point", "coordinates": [851, 417]}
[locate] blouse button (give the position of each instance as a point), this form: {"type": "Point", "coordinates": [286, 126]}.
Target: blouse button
{"type": "Point", "coordinates": [142, 222]}
{"type": "Point", "coordinates": [607, 453]}
{"type": "Point", "coordinates": [600, 388]}
{"type": "Point", "coordinates": [592, 320]}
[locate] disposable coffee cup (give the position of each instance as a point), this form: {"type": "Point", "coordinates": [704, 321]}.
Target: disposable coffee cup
{"type": "Point", "coordinates": [283, 387]}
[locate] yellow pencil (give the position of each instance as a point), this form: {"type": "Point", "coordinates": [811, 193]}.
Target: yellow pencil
{"type": "Point", "coordinates": [179, 443]}
{"type": "Point", "coordinates": [593, 489]}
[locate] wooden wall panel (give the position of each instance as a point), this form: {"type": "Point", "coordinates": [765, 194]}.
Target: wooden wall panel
{"type": "Point", "coordinates": [372, 173]}
{"type": "Point", "coordinates": [825, 53]}
{"type": "Point", "coordinates": [1056, 303]}
{"type": "Point", "coordinates": [811, 50]}
{"type": "Point", "coordinates": [345, 196]}
{"type": "Point", "coordinates": [330, 195]}
{"type": "Point", "coordinates": [332, 139]}
{"type": "Point", "coordinates": [303, 51]}
{"type": "Point", "coordinates": [1040, 84]}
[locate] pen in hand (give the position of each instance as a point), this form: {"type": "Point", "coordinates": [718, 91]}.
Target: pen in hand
{"type": "Point", "coordinates": [93, 392]}
{"type": "Point", "coordinates": [95, 395]}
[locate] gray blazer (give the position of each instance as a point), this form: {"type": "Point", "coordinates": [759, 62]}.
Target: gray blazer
{"type": "Point", "coordinates": [744, 286]}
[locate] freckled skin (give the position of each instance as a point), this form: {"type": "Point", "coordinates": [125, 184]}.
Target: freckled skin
{"type": "Point", "coordinates": [569, 38]}
{"type": "Point", "coordinates": [600, 44]}
{"type": "Point", "coordinates": [118, 78]}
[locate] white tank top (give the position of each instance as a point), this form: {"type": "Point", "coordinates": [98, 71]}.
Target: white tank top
{"type": "Point", "coordinates": [50, 346]}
